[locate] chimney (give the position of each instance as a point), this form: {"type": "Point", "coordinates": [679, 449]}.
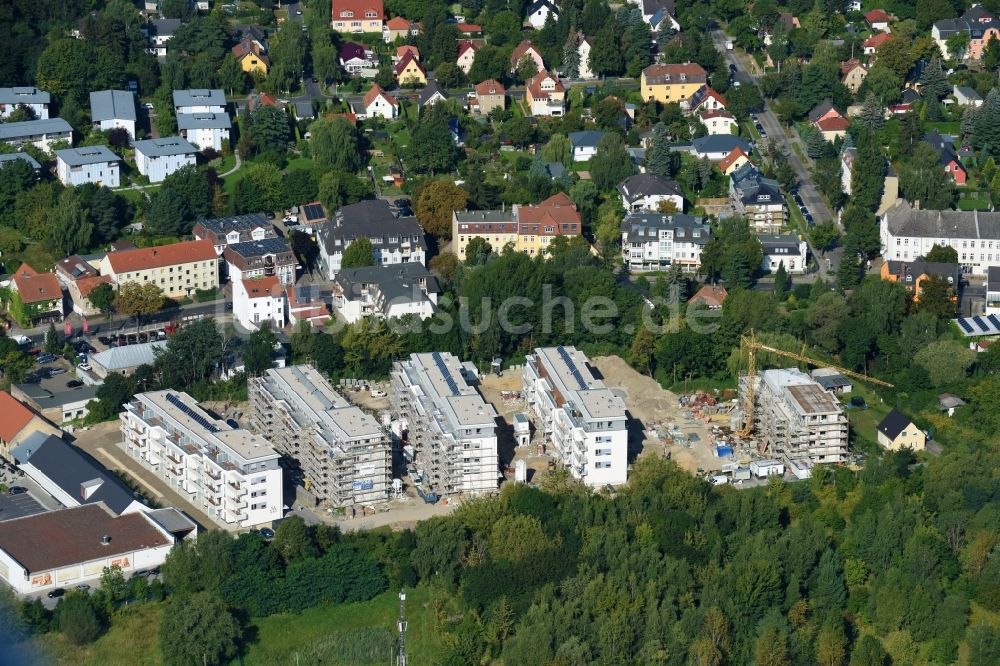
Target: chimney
{"type": "Point", "coordinates": [105, 540]}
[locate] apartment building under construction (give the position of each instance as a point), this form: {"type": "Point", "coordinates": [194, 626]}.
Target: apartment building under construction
{"type": "Point", "coordinates": [796, 418]}
{"type": "Point", "coordinates": [344, 454]}
{"type": "Point", "coordinates": [453, 431]}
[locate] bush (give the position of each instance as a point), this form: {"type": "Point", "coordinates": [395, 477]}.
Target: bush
{"type": "Point", "coordinates": [77, 618]}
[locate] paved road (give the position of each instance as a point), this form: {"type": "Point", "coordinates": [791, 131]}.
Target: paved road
{"type": "Point", "coordinates": [776, 133]}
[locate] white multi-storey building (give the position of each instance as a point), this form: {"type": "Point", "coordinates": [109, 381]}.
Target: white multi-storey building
{"type": "Point", "coordinates": [257, 301]}
{"type": "Point", "coordinates": [39, 133]}
{"type": "Point", "coordinates": [89, 164]}
{"type": "Point", "coordinates": [653, 241]}
{"type": "Point", "coordinates": [394, 240]}
{"type": "Point", "coordinates": [199, 100]}
{"type": "Point", "coordinates": [453, 431]}
{"type": "Point", "coordinates": [35, 100]}
{"type": "Point", "coordinates": [158, 158]}
{"type": "Point", "coordinates": [908, 233]}
{"type": "Point", "coordinates": [205, 129]}
{"type": "Point", "coordinates": [113, 109]}
{"type": "Point", "coordinates": [385, 292]}
{"type": "Point", "coordinates": [583, 418]}
{"type": "Point", "coordinates": [796, 418]}
{"type": "Point", "coordinates": [344, 454]}
{"type": "Point", "coordinates": [230, 474]}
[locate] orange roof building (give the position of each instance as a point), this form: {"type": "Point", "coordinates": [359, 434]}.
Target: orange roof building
{"type": "Point", "coordinates": [378, 103]}
{"type": "Point", "coordinates": [178, 269]}
{"type": "Point", "coordinates": [733, 161]}
{"type": "Point", "coordinates": [35, 288]}
{"type": "Point", "coordinates": [712, 295]}
{"type": "Point", "coordinates": [357, 15]}
{"type": "Point", "coordinates": [526, 48]}
{"type": "Point", "coordinates": [528, 229]}
{"type": "Point", "coordinates": [18, 422]}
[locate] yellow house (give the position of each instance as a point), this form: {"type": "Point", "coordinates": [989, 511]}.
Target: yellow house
{"type": "Point", "coordinates": [733, 161]}
{"type": "Point", "coordinates": [528, 229]}
{"type": "Point", "coordinates": [897, 431]}
{"type": "Point", "coordinates": [671, 83]}
{"type": "Point", "coordinates": [409, 71]}
{"type": "Point", "coordinates": [250, 57]}
{"type": "Point", "coordinates": [177, 269]}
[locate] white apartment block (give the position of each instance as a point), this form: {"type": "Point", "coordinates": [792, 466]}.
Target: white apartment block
{"type": "Point", "coordinates": [453, 431]}
{"type": "Point", "coordinates": [257, 301]}
{"type": "Point", "coordinates": [39, 133]}
{"type": "Point", "coordinates": [796, 419]}
{"type": "Point", "coordinates": [908, 233]}
{"type": "Point", "coordinates": [113, 109]}
{"type": "Point", "coordinates": [343, 452]}
{"type": "Point", "coordinates": [230, 474]}
{"type": "Point", "coordinates": [199, 100]}
{"type": "Point", "coordinates": [582, 418]}
{"type": "Point", "coordinates": [35, 100]}
{"type": "Point", "coordinates": [205, 130]}
{"type": "Point", "coordinates": [88, 164]}
{"type": "Point", "coordinates": [158, 158]}
{"type": "Point", "coordinates": [654, 241]}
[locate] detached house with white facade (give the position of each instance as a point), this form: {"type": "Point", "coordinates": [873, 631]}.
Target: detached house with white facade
{"type": "Point", "coordinates": [199, 100]}
{"type": "Point", "coordinates": [88, 164]}
{"type": "Point", "coordinates": [257, 301]}
{"type": "Point", "coordinates": [113, 109]}
{"type": "Point", "coordinates": [646, 191]}
{"type": "Point", "coordinates": [35, 100]}
{"type": "Point", "coordinates": [205, 129]}
{"type": "Point", "coordinates": [158, 158]}
{"type": "Point", "coordinates": [377, 103]}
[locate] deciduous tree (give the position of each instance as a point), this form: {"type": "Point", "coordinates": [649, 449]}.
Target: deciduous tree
{"type": "Point", "coordinates": [434, 204]}
{"type": "Point", "coordinates": [358, 254]}
{"type": "Point", "coordinates": [211, 633]}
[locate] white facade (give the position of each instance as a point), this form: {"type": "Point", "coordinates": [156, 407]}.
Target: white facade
{"type": "Point", "coordinates": [39, 133]}
{"type": "Point", "coordinates": [199, 100]}
{"type": "Point", "coordinates": [584, 51]}
{"type": "Point", "coordinates": [97, 164]}
{"type": "Point", "coordinates": [907, 233]}
{"type": "Point", "coordinates": [452, 429]}
{"type": "Point", "coordinates": [208, 137]}
{"type": "Point", "coordinates": [784, 249]}
{"type": "Point", "coordinates": [256, 301]}
{"type": "Point", "coordinates": [539, 12]}
{"type": "Point", "coordinates": [579, 415]}
{"type": "Point", "coordinates": [656, 241]}
{"type": "Point", "coordinates": [343, 452]}
{"type": "Point", "coordinates": [229, 474]}
{"type": "Point", "coordinates": [719, 122]}
{"type": "Point", "coordinates": [384, 292]}
{"type": "Point", "coordinates": [113, 109]}
{"type": "Point", "coordinates": [158, 158]}
{"type": "Point", "coordinates": [381, 107]}
{"type": "Point", "coordinates": [35, 100]}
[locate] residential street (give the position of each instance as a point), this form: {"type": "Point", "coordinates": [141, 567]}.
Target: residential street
{"type": "Point", "coordinates": [776, 132]}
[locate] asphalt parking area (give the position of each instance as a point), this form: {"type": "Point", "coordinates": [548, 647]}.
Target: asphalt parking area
{"type": "Point", "coordinates": [18, 506]}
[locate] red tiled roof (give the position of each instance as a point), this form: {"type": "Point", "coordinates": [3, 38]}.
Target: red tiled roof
{"type": "Point", "coordinates": [269, 285]}
{"type": "Point", "coordinates": [408, 58]}
{"type": "Point", "coordinates": [534, 85]}
{"type": "Point", "coordinates": [35, 287]}
{"type": "Point", "coordinates": [731, 158]}
{"type": "Point", "coordinates": [465, 46]}
{"type": "Point", "coordinates": [520, 50]}
{"type": "Point", "coordinates": [559, 199]}
{"type": "Point", "coordinates": [15, 416]}
{"type": "Point", "coordinates": [673, 73]}
{"type": "Point", "coordinates": [87, 284]}
{"type": "Point", "coordinates": [712, 294]}
{"type": "Point", "coordinates": [877, 40]}
{"type": "Point", "coordinates": [56, 539]}
{"type": "Point", "coordinates": [834, 124]}
{"type": "Point", "coordinates": [358, 7]}
{"type": "Point", "coordinates": [468, 28]}
{"type": "Point", "coordinates": [557, 210]}
{"type": "Point", "coordinates": [849, 66]}
{"type": "Point", "coordinates": [877, 16]}
{"type": "Point", "coordinates": [165, 255]}
{"type": "Point", "coordinates": [489, 87]}
{"type": "Point", "coordinates": [407, 48]}
{"type": "Point", "coordinates": [398, 23]}
{"type": "Point", "coordinates": [376, 91]}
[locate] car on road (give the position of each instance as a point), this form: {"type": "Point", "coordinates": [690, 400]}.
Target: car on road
{"type": "Point", "coordinates": [809, 219]}
{"type": "Point", "coordinates": [267, 532]}
{"type": "Point", "coordinates": [56, 593]}
{"type": "Point", "coordinates": [732, 68]}
{"type": "Point", "coordinates": [17, 490]}
{"type": "Point", "coordinates": [298, 12]}
{"type": "Point", "coordinates": [83, 347]}
{"type": "Point", "coordinates": [104, 340]}
{"type": "Point", "coordinates": [143, 338]}
{"type": "Point", "coordinates": [402, 202]}
{"type": "Point", "coordinates": [405, 212]}
{"type": "Point", "coordinates": [74, 383]}
{"type": "Point", "coordinates": [149, 106]}
{"type": "Point", "coordinates": [315, 79]}
{"type": "Point", "coordinates": [803, 210]}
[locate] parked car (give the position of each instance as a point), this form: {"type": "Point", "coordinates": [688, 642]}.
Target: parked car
{"type": "Point", "coordinates": [803, 210]}
{"type": "Point", "coordinates": [56, 593]}
{"type": "Point", "coordinates": [267, 532]}
{"type": "Point", "coordinates": [83, 587]}
{"type": "Point", "coordinates": [401, 202]}
{"type": "Point", "coordinates": [74, 383]}
{"type": "Point", "coordinates": [378, 393]}
{"type": "Point", "coordinates": [809, 219]}
{"type": "Point", "coordinates": [16, 490]}
{"type": "Point", "coordinates": [58, 370]}
{"type": "Point", "coordinates": [84, 366]}
{"type": "Point", "coordinates": [104, 340]}
{"type": "Point", "coordinates": [149, 106]}
{"type": "Point", "coordinates": [45, 357]}
{"type": "Point", "coordinates": [143, 337]}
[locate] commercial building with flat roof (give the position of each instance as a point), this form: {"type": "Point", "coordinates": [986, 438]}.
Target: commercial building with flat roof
{"type": "Point", "coordinates": [583, 419]}
{"type": "Point", "coordinates": [796, 418]}
{"type": "Point", "coordinates": [72, 546]}
{"type": "Point", "coordinates": [452, 430]}
{"type": "Point", "coordinates": [230, 474]}
{"type": "Point", "coordinates": [343, 452]}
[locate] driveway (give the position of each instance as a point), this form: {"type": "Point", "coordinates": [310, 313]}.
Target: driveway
{"type": "Point", "coordinates": [776, 133]}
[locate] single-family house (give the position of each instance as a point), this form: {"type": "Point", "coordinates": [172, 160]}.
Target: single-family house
{"type": "Point", "coordinates": [584, 45]}
{"type": "Point", "coordinates": [852, 74]}
{"type": "Point", "coordinates": [469, 29]}
{"type": "Point", "coordinates": [113, 109]}
{"type": "Point", "coordinates": [913, 274]}
{"type": "Point", "coordinates": [490, 95]}
{"type": "Point", "coordinates": [403, 49]}
{"type": "Point", "coordinates": [585, 144]}
{"type": "Point", "coordinates": [545, 94]}
{"type": "Point", "coordinates": [305, 303]}
{"type": "Point", "coordinates": [878, 20]}
{"type": "Point", "coordinates": [409, 72]}
{"type": "Point", "coordinates": [539, 11]}
{"type": "Point", "coordinates": [659, 15]}
{"type": "Point", "coordinates": [646, 191]}
{"type": "Point", "coordinates": [8, 158]}
{"type": "Point", "coordinates": [34, 100]}
{"type": "Point", "coordinates": [18, 423]}
{"type": "Point", "coordinates": [399, 28]}
{"type": "Point", "coordinates": [252, 57]}
{"type": "Point", "coordinates": [719, 122]}
{"type": "Point", "coordinates": [466, 55]}
{"type": "Point", "coordinates": [967, 96]}
{"type": "Point", "coordinates": [787, 22]}
{"type": "Point", "coordinates": [39, 133]}
{"type": "Point", "coordinates": [712, 295]}
{"type": "Point", "coordinates": [526, 50]}
{"type": "Point", "coordinates": [88, 164]}
{"type": "Point", "coordinates": [204, 129]}
{"type": "Point", "coordinates": [828, 120]}
{"type": "Point", "coordinates": [897, 431]}
{"type": "Point", "coordinates": [704, 98]}
{"type": "Point", "coordinates": [158, 158]}
{"type": "Point", "coordinates": [948, 158]}
{"type": "Point", "coordinates": [357, 60]}
{"type": "Point", "coordinates": [377, 103]}
{"type": "Point", "coordinates": [716, 147]}
{"type": "Point", "coordinates": [259, 301]}
{"type": "Point", "coordinates": [357, 16]}
{"type": "Point", "coordinates": [871, 45]}
{"type": "Point", "coordinates": [79, 278]}
{"type": "Point", "coordinates": [733, 161]}
{"type": "Point", "coordinates": [784, 249]}
{"type": "Point", "coordinates": [671, 83]}
{"type": "Point", "coordinates": [160, 32]}
{"type": "Point", "coordinates": [35, 297]}
{"type": "Point", "coordinates": [431, 95]}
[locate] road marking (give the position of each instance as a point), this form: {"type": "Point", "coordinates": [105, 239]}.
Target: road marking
{"type": "Point", "coordinates": [125, 469]}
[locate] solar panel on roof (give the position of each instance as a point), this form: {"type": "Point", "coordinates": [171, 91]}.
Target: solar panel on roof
{"type": "Point", "coordinates": [195, 416]}
{"type": "Point", "coordinates": [572, 366]}
{"type": "Point", "coordinates": [439, 361]}
{"type": "Point", "coordinates": [993, 320]}
{"type": "Point", "coordinates": [313, 211]}
{"type": "Point", "coordinates": [965, 325]}
{"type": "Point", "coordinates": [983, 326]}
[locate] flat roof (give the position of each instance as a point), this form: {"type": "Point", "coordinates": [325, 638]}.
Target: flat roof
{"type": "Point", "coordinates": [62, 538]}
{"type": "Point", "coordinates": [567, 372]}
{"type": "Point", "coordinates": [439, 374]}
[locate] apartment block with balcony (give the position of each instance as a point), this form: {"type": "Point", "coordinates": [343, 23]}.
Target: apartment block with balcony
{"type": "Point", "coordinates": [796, 419]}
{"type": "Point", "coordinates": [453, 431]}
{"type": "Point", "coordinates": [344, 454]}
{"type": "Point", "coordinates": [229, 474]}
{"type": "Point", "coordinates": [583, 419]}
{"type": "Point", "coordinates": [394, 240]}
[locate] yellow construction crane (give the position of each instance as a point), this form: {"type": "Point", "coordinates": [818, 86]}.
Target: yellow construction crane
{"type": "Point", "coordinates": [750, 345]}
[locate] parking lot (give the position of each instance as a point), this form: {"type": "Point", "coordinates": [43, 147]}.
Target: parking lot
{"type": "Point", "coordinates": [19, 506]}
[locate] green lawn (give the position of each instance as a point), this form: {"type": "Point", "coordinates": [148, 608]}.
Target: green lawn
{"type": "Point", "coordinates": [969, 203]}
{"type": "Point", "coordinates": [944, 128]}
{"type": "Point", "coordinates": [865, 421]}
{"type": "Point", "coordinates": [132, 641]}
{"type": "Point", "coordinates": [300, 164]}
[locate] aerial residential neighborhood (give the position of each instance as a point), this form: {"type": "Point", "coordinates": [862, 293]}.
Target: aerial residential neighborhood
{"type": "Point", "coordinates": [561, 332]}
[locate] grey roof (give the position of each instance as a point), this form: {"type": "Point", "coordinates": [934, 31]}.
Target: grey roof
{"type": "Point", "coordinates": [752, 188]}
{"type": "Point", "coordinates": [129, 356]}
{"type": "Point", "coordinates": [303, 109]}
{"type": "Point", "coordinates": [646, 185]}
{"type": "Point", "coordinates": [820, 109]}
{"type": "Point", "coordinates": [968, 93]}
{"type": "Point", "coordinates": [46, 399]}
{"type": "Point", "coordinates": [164, 27]}
{"type": "Point", "coordinates": [555, 170]}
{"type": "Point", "coordinates": [112, 105]}
{"type": "Point", "coordinates": [771, 242]}
{"type": "Point", "coordinates": [203, 120]}
{"type": "Point", "coordinates": [173, 521]}
{"type": "Point", "coordinates": [170, 145]}
{"type": "Point", "coordinates": [6, 158]}
{"type": "Point", "coordinates": [646, 227]}
{"type": "Point", "coordinates": [993, 278]}
{"type": "Point", "coordinates": [494, 216]}
{"type": "Point", "coordinates": [23, 95]}
{"type": "Point", "coordinates": [903, 220]}
{"type": "Point", "coordinates": [429, 91]}
{"type": "Point", "coordinates": [833, 381]}
{"type": "Point", "coordinates": [70, 468]}
{"type": "Point", "coordinates": [397, 283]}
{"type": "Point", "coordinates": [894, 423]}
{"type": "Point", "coordinates": [585, 138]}
{"type": "Point", "coordinates": [87, 155]}
{"type": "Point", "coordinates": [223, 225]}
{"type": "Point", "coordinates": [199, 97]}
{"type": "Point", "coordinates": [907, 270]}
{"type": "Point", "coordinates": [950, 400]}
{"type": "Point", "coordinates": [259, 248]}
{"type": "Point", "coordinates": [371, 219]}
{"type": "Point", "coordinates": [33, 127]}
{"type": "Point", "coordinates": [720, 143]}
